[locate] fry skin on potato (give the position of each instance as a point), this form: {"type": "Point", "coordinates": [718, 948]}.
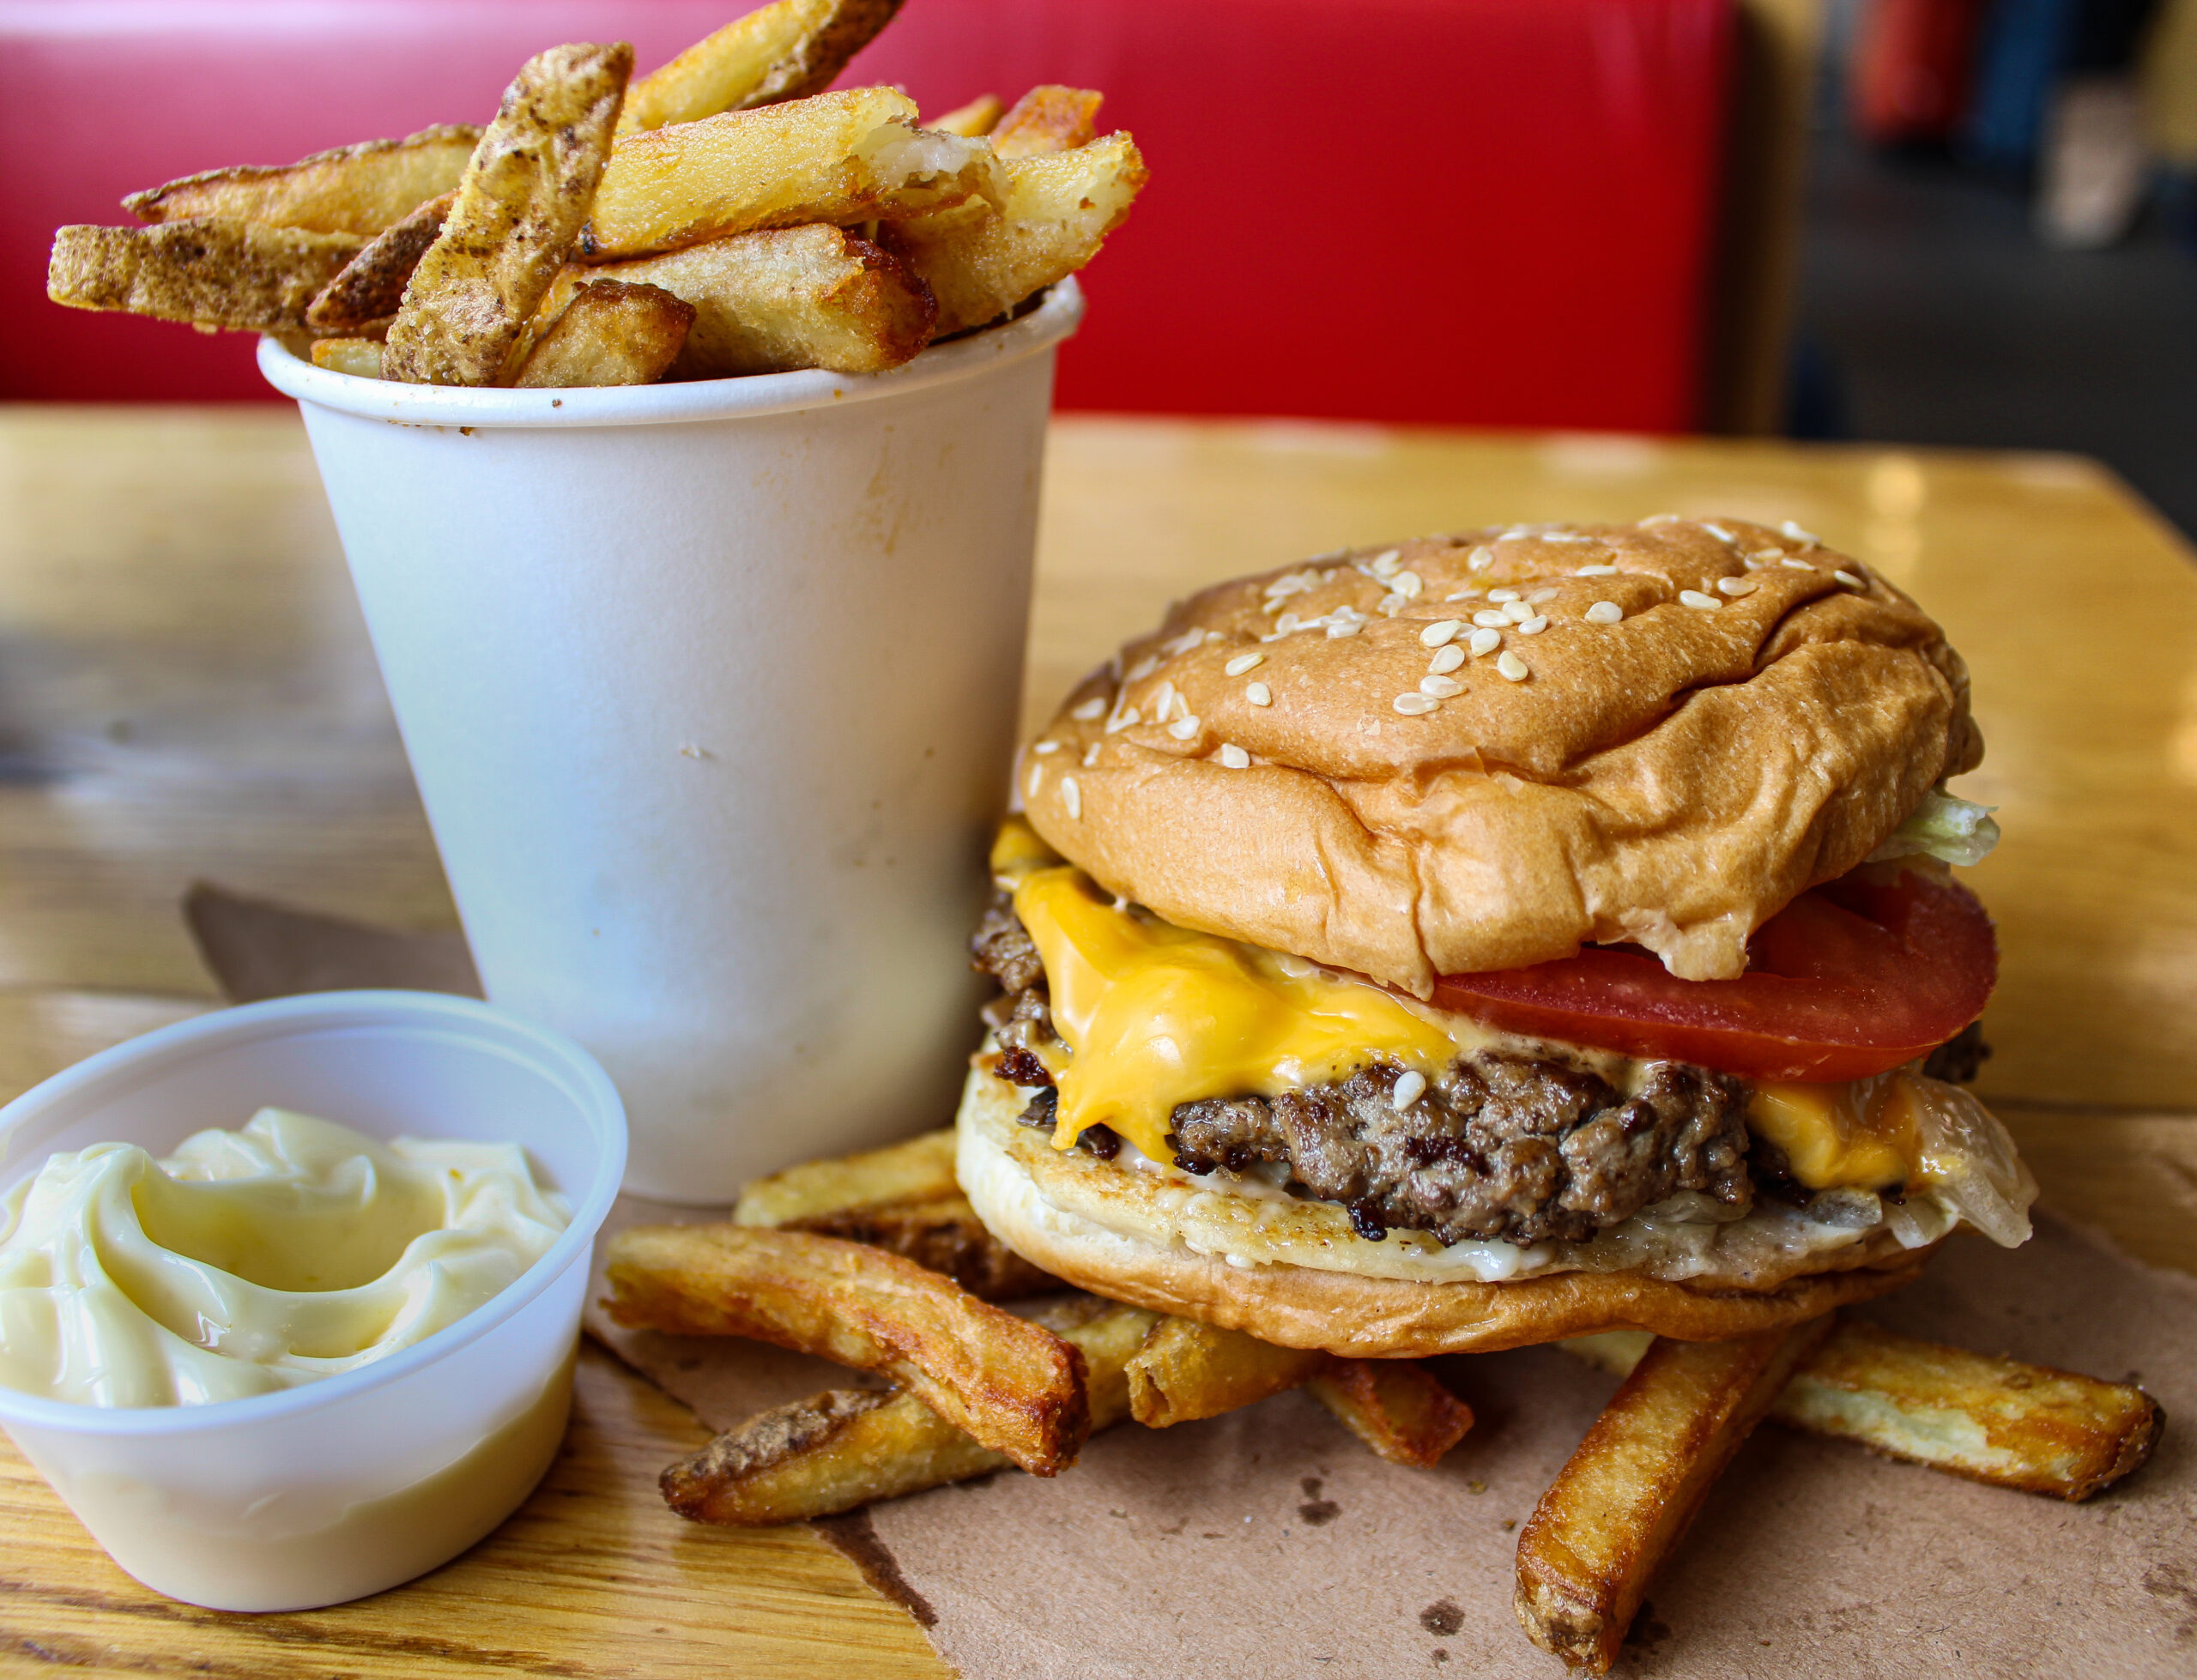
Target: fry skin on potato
{"type": "Point", "coordinates": [360, 358]}
{"type": "Point", "coordinates": [1187, 1370]}
{"type": "Point", "coordinates": [371, 287]}
{"type": "Point", "coordinates": [211, 271]}
{"type": "Point", "coordinates": [787, 51]}
{"type": "Point", "coordinates": [919, 1170]}
{"type": "Point", "coordinates": [612, 333]}
{"type": "Point", "coordinates": [1057, 212]}
{"type": "Point", "coordinates": [2026, 1427]}
{"type": "Point", "coordinates": [524, 195]}
{"type": "Point", "coordinates": [1397, 1407]}
{"type": "Point", "coordinates": [1014, 1386]}
{"type": "Point", "coordinates": [358, 190]}
{"type": "Point", "coordinates": [843, 1449]}
{"type": "Point", "coordinates": [973, 120]}
{"type": "Point", "coordinates": [842, 157]}
{"type": "Point", "coordinates": [792, 298]}
{"type": "Point", "coordinates": [1048, 119]}
{"type": "Point", "coordinates": [1625, 1498]}
{"type": "Point", "coordinates": [942, 1235]}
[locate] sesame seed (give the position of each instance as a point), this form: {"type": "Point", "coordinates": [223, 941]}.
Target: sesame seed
{"type": "Point", "coordinates": [1272, 603]}
{"type": "Point", "coordinates": [1287, 623]}
{"type": "Point", "coordinates": [1407, 1089]}
{"type": "Point", "coordinates": [1850, 580]}
{"type": "Point", "coordinates": [1662, 519]}
{"type": "Point", "coordinates": [1485, 642]}
{"type": "Point", "coordinates": [1446, 660]}
{"type": "Point", "coordinates": [1516, 611]}
{"type": "Point", "coordinates": [1090, 711]}
{"type": "Point", "coordinates": [1091, 758]}
{"type": "Point", "coordinates": [1795, 532]}
{"type": "Point", "coordinates": [1534, 626]}
{"type": "Point", "coordinates": [1605, 611]}
{"type": "Point", "coordinates": [1595, 571]}
{"type": "Point", "coordinates": [1503, 594]}
{"type": "Point", "coordinates": [1695, 598]}
{"type": "Point", "coordinates": [1234, 756]}
{"type": "Point", "coordinates": [1407, 584]}
{"type": "Point", "coordinates": [1765, 557]}
{"type": "Point", "coordinates": [1045, 747]}
{"type": "Point", "coordinates": [1071, 799]}
{"type": "Point", "coordinates": [1243, 662]}
{"type": "Point", "coordinates": [1512, 667]}
{"type": "Point", "coordinates": [1480, 558]}
{"type": "Point", "coordinates": [1037, 776]}
{"type": "Point", "coordinates": [1440, 687]}
{"type": "Point", "coordinates": [1441, 635]}
{"type": "Point", "coordinates": [1392, 604]}
{"type": "Point", "coordinates": [1414, 704]}
{"type": "Point", "coordinates": [1182, 644]}
{"type": "Point", "coordinates": [1736, 586]}
{"type": "Point", "coordinates": [1718, 532]}
{"type": "Point", "coordinates": [1488, 619]}
{"type": "Point", "coordinates": [1184, 726]}
{"type": "Point", "coordinates": [1163, 701]}
{"type": "Point", "coordinates": [1211, 637]}
{"type": "Point", "coordinates": [1143, 668]}
{"type": "Point", "coordinates": [1565, 536]}
{"type": "Point", "coordinates": [1345, 627]}
{"type": "Point", "coordinates": [1259, 694]}
{"type": "Point", "coordinates": [1539, 596]}
{"type": "Point", "coordinates": [1797, 565]}
{"type": "Point", "coordinates": [1122, 719]}
{"type": "Point", "coordinates": [1385, 565]}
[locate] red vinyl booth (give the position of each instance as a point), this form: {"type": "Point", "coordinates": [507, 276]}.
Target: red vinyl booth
{"type": "Point", "coordinates": [1497, 211]}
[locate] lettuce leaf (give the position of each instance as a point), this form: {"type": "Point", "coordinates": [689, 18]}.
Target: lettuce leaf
{"type": "Point", "coordinates": [1953, 831]}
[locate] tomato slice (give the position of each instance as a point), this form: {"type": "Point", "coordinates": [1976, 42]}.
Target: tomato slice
{"type": "Point", "coordinates": [1851, 978]}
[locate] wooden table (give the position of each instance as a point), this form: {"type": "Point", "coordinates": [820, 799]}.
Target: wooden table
{"type": "Point", "coordinates": [185, 692]}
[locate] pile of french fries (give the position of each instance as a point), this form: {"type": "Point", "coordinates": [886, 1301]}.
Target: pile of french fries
{"type": "Point", "coordinates": [878, 1262]}
{"type": "Point", "coordinates": [723, 216]}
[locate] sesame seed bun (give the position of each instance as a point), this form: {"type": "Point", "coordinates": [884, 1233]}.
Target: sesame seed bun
{"type": "Point", "coordinates": [1760, 716]}
{"type": "Point", "coordinates": [1298, 1276]}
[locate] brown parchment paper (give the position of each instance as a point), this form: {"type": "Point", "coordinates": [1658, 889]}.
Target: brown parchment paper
{"type": "Point", "coordinates": [1270, 1542]}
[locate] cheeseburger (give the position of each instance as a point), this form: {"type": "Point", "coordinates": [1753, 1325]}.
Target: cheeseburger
{"type": "Point", "coordinates": [1498, 937]}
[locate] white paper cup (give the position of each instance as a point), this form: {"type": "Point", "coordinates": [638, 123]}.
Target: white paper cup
{"type": "Point", "coordinates": [710, 692]}
{"type": "Point", "coordinates": [334, 1489]}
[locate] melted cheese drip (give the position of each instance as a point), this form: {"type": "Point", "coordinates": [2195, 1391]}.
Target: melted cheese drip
{"type": "Point", "coordinates": [1156, 1015]}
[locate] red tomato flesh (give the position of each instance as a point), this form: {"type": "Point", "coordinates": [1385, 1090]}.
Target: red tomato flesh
{"type": "Point", "coordinates": [1851, 978]}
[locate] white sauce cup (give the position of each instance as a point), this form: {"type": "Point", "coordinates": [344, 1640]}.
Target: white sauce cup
{"type": "Point", "coordinates": [336, 1488]}
{"type": "Point", "coordinates": [711, 690]}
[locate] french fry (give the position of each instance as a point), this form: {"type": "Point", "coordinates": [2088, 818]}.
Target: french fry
{"type": "Point", "coordinates": [359, 357]}
{"type": "Point", "coordinates": [846, 1447]}
{"type": "Point", "coordinates": [974, 120]}
{"type": "Point", "coordinates": [1048, 119]}
{"type": "Point", "coordinates": [1621, 1504]}
{"type": "Point", "coordinates": [942, 1235]}
{"type": "Point", "coordinates": [520, 206]}
{"type": "Point", "coordinates": [1395, 1406]}
{"type": "Point", "coordinates": [612, 333]}
{"type": "Point", "coordinates": [841, 158]}
{"type": "Point", "coordinates": [920, 1169]}
{"type": "Point", "coordinates": [1014, 1385]}
{"type": "Point", "coordinates": [788, 51]}
{"type": "Point", "coordinates": [1990, 1420]}
{"type": "Point", "coordinates": [1187, 1370]}
{"type": "Point", "coordinates": [1057, 211]}
{"type": "Point", "coordinates": [371, 287]}
{"type": "Point", "coordinates": [358, 190]}
{"type": "Point", "coordinates": [2026, 1427]}
{"type": "Point", "coordinates": [793, 297]}
{"type": "Point", "coordinates": [211, 271]}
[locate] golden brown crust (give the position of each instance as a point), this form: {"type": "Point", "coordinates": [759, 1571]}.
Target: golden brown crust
{"type": "Point", "coordinates": [215, 272]}
{"type": "Point", "coordinates": [1354, 1314]}
{"type": "Point", "coordinates": [1672, 779]}
{"type": "Point", "coordinates": [358, 190]}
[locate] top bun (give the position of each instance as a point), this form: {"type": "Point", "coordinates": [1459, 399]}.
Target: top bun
{"type": "Point", "coordinates": [1673, 779]}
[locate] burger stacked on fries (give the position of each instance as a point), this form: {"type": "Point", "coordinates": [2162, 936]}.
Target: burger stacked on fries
{"type": "Point", "coordinates": [1526, 935]}
{"type": "Point", "coordinates": [725, 215]}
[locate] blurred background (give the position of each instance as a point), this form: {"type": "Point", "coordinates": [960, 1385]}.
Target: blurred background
{"type": "Point", "coordinates": [1967, 222]}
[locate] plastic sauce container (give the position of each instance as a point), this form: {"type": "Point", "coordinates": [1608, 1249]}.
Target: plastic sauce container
{"type": "Point", "coordinates": [345, 1486]}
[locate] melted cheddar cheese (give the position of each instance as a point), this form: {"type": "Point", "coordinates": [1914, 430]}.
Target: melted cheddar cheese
{"type": "Point", "coordinates": [1155, 1016]}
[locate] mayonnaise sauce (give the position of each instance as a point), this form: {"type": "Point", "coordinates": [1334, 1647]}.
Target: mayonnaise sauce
{"type": "Point", "coordinates": [253, 1261]}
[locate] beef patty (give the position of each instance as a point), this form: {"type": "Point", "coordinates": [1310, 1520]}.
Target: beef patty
{"type": "Point", "coordinates": [1525, 1148]}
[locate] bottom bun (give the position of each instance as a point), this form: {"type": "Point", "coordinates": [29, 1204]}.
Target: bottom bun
{"type": "Point", "coordinates": [1004, 1168]}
